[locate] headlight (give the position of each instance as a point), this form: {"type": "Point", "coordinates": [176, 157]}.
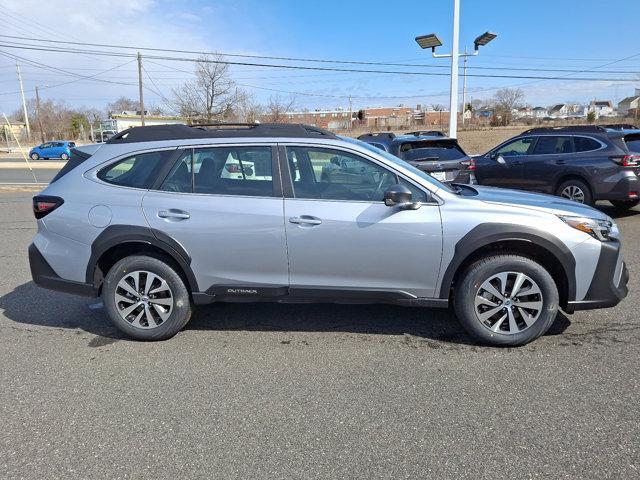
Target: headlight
{"type": "Point", "coordinates": [598, 229]}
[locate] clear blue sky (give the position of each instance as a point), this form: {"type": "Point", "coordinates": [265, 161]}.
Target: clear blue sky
{"type": "Point", "coordinates": [561, 34]}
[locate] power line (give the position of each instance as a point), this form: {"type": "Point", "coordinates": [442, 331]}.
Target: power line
{"type": "Point", "coordinates": [327, 69]}
{"type": "Point", "coordinates": [314, 60]}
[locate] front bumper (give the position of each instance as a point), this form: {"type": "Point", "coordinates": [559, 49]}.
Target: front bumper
{"type": "Point", "coordinates": [44, 276]}
{"type": "Point", "coordinates": [609, 284]}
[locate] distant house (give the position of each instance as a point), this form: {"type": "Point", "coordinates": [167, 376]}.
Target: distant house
{"type": "Point", "coordinates": [335, 119]}
{"type": "Point", "coordinates": [523, 112]}
{"type": "Point", "coordinates": [602, 108]}
{"type": "Point", "coordinates": [630, 104]}
{"type": "Point", "coordinates": [559, 110]}
{"type": "Point", "coordinates": [118, 122]}
{"type": "Point", "coordinates": [539, 112]}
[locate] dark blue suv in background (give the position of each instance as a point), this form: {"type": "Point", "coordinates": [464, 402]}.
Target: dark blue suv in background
{"type": "Point", "coordinates": [429, 151]}
{"type": "Point", "coordinates": [583, 163]}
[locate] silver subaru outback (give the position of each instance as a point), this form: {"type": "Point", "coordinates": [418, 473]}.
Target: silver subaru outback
{"type": "Point", "coordinates": [159, 219]}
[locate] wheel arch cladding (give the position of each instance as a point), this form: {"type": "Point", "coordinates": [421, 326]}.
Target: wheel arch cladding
{"type": "Point", "coordinates": [488, 238]}
{"type": "Point", "coordinates": [118, 241]}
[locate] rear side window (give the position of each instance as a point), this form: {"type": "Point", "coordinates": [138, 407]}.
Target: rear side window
{"type": "Point", "coordinates": [242, 170]}
{"type": "Point", "coordinates": [585, 144]}
{"type": "Point", "coordinates": [138, 171]}
{"type": "Point", "coordinates": [431, 150]}
{"type": "Point", "coordinates": [550, 144]}
{"type": "Point", "coordinates": [75, 159]}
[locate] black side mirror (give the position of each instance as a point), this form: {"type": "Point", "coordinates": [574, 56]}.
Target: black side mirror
{"type": "Point", "coordinates": [399, 196]}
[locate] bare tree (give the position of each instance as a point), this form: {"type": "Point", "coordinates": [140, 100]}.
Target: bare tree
{"type": "Point", "coordinates": [246, 109]}
{"type": "Point", "coordinates": [122, 104]}
{"type": "Point", "coordinates": [505, 101]}
{"type": "Point", "coordinates": [277, 108]}
{"type": "Point", "coordinates": [210, 95]}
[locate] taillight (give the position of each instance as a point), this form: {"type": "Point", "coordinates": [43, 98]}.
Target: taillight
{"type": "Point", "coordinates": [469, 164]}
{"type": "Point", "coordinates": [45, 204]}
{"type": "Point", "coordinates": [627, 160]}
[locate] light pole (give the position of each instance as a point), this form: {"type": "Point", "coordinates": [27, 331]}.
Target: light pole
{"type": "Point", "coordinates": [432, 41]}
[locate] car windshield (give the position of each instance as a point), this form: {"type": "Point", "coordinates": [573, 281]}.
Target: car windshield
{"type": "Point", "coordinates": [398, 161]}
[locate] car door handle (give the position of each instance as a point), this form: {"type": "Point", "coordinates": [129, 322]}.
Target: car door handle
{"type": "Point", "coordinates": [305, 220]}
{"type": "Point", "coordinates": [174, 214]}
{"type": "Point", "coordinates": [561, 162]}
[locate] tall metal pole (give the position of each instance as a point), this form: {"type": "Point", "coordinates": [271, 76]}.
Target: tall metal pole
{"type": "Point", "coordinates": [24, 102]}
{"type": "Point", "coordinates": [140, 92]}
{"type": "Point", "coordinates": [350, 114]}
{"type": "Point", "coordinates": [464, 86]}
{"type": "Point", "coordinates": [453, 103]}
{"type": "Point", "coordinates": [38, 115]}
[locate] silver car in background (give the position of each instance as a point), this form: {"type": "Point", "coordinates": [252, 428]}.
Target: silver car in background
{"type": "Point", "coordinates": [159, 219]}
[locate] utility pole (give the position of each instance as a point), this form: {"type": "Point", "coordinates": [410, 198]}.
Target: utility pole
{"type": "Point", "coordinates": [350, 114]}
{"type": "Point", "coordinates": [24, 102]}
{"type": "Point", "coordinates": [453, 101]}
{"type": "Point", "coordinates": [140, 92]}
{"type": "Point", "coordinates": [464, 85]}
{"type": "Point", "coordinates": [38, 115]}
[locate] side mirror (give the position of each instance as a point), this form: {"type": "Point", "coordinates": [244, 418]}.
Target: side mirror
{"type": "Point", "coordinates": [500, 159]}
{"type": "Point", "coordinates": [400, 196]}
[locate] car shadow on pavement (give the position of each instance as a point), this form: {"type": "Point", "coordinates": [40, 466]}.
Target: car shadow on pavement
{"type": "Point", "coordinates": [615, 213]}
{"type": "Point", "coordinates": [29, 304]}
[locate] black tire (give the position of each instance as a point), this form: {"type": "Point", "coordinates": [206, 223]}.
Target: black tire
{"type": "Point", "coordinates": [35, 156]}
{"type": "Point", "coordinates": [624, 205]}
{"type": "Point", "coordinates": [579, 184]}
{"type": "Point", "coordinates": [469, 285]}
{"type": "Point", "coordinates": [64, 156]}
{"type": "Point", "coordinates": [180, 312]}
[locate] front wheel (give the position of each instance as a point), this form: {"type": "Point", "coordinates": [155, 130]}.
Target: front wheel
{"type": "Point", "coordinates": [35, 156]}
{"type": "Point", "coordinates": [506, 300]}
{"type": "Point", "coordinates": [146, 298]}
{"type": "Point", "coordinates": [624, 205]}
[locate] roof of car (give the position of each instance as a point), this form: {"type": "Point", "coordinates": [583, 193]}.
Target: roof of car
{"type": "Point", "coordinates": [226, 130]}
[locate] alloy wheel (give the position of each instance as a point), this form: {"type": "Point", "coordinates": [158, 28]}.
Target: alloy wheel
{"type": "Point", "coordinates": [508, 302]}
{"type": "Point", "coordinates": [144, 299]}
{"type": "Point", "coordinates": [573, 192]}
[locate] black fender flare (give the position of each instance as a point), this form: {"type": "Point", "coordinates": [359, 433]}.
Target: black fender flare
{"type": "Point", "coordinates": [115, 235]}
{"type": "Point", "coordinates": [487, 233]}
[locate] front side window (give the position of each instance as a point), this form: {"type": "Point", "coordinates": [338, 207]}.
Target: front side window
{"type": "Point", "coordinates": [242, 170]}
{"type": "Point", "coordinates": [521, 146]}
{"type": "Point", "coordinates": [138, 171]}
{"type": "Point", "coordinates": [328, 174]}
{"type": "Point", "coordinates": [547, 145]}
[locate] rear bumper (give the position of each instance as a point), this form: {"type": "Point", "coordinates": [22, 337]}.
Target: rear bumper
{"type": "Point", "coordinates": [609, 284]}
{"type": "Point", "coordinates": [622, 188]}
{"type": "Point", "coordinates": [44, 276]}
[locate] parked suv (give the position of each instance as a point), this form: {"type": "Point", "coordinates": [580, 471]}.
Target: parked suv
{"type": "Point", "coordinates": [431, 152]}
{"type": "Point", "coordinates": [151, 222]}
{"type": "Point", "coordinates": [54, 149]}
{"type": "Point", "coordinates": [580, 163]}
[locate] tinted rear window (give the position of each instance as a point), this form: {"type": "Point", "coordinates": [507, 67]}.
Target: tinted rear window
{"type": "Point", "coordinates": [633, 143]}
{"type": "Point", "coordinates": [437, 150]}
{"type": "Point", "coordinates": [76, 158]}
{"type": "Point", "coordinates": [585, 144]}
{"type": "Point", "coordinates": [138, 171]}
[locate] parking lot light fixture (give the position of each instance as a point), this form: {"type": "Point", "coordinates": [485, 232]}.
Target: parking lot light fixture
{"type": "Point", "coordinates": [483, 39]}
{"type": "Point", "coordinates": [429, 41]}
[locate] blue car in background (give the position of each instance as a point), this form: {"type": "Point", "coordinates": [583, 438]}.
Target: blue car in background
{"type": "Point", "coordinates": [53, 149]}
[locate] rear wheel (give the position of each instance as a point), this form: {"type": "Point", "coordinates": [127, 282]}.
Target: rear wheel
{"type": "Point", "coordinates": [35, 156]}
{"type": "Point", "coordinates": [64, 156]}
{"type": "Point", "coordinates": [575, 190]}
{"type": "Point", "coordinates": [146, 298]}
{"type": "Point", "coordinates": [624, 205]}
{"type": "Point", "coordinates": [506, 300]}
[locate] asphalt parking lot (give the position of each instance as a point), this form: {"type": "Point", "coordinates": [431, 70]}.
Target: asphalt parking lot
{"type": "Point", "coordinates": [308, 391]}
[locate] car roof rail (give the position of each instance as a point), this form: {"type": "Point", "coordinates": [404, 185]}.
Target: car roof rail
{"type": "Point", "coordinates": [620, 126]}
{"type": "Point", "coordinates": [568, 128]}
{"type": "Point", "coordinates": [426, 133]}
{"type": "Point", "coordinates": [155, 133]}
{"type": "Point", "coordinates": [389, 135]}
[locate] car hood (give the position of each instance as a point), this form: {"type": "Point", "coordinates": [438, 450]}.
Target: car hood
{"type": "Point", "coordinates": [537, 201]}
